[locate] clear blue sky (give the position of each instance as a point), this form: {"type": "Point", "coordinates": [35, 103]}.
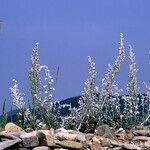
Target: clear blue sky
{"type": "Point", "coordinates": [69, 31]}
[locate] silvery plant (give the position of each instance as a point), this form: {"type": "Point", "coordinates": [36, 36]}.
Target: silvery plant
{"type": "Point", "coordinates": [43, 110]}
{"type": "Point", "coordinates": [97, 105]}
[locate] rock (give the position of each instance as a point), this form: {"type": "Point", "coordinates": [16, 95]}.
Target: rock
{"type": "Point", "coordinates": [147, 144]}
{"type": "Point", "coordinates": [131, 147]}
{"type": "Point", "coordinates": [60, 130]}
{"type": "Point", "coordinates": [69, 144]}
{"type": "Point", "coordinates": [116, 143]}
{"type": "Point", "coordinates": [142, 132]}
{"type": "Point", "coordinates": [41, 148]}
{"type": "Point", "coordinates": [70, 136]}
{"type": "Point", "coordinates": [11, 127]}
{"type": "Point", "coordinates": [141, 138]}
{"type": "Point", "coordinates": [10, 142]}
{"type": "Point", "coordinates": [60, 149]}
{"type": "Point", "coordinates": [30, 139]}
{"type": "Point", "coordinates": [105, 142]}
{"type": "Point", "coordinates": [130, 136]}
{"type": "Point", "coordinates": [28, 130]}
{"type": "Point", "coordinates": [96, 139]}
{"type": "Point", "coordinates": [45, 138]}
{"type": "Point", "coordinates": [66, 136]}
{"type": "Point", "coordinates": [105, 131]}
{"type": "Point", "coordinates": [89, 136]}
{"type": "Point", "coordinates": [52, 131]}
{"type": "Point", "coordinates": [96, 146]}
{"type": "Point", "coordinates": [117, 148]}
{"type": "Point", "coordinates": [17, 134]}
{"type": "Point", "coordinates": [23, 149]}
{"type": "Point", "coordinates": [121, 136]}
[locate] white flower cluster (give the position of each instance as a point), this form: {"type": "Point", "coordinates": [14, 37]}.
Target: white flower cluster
{"type": "Point", "coordinates": [132, 88]}
{"type": "Point", "coordinates": [17, 96]}
{"type": "Point", "coordinates": [87, 103]}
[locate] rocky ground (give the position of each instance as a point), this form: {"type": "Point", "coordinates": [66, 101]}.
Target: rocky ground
{"type": "Point", "coordinates": [104, 138]}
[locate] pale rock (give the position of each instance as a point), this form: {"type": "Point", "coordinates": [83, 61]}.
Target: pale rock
{"type": "Point", "coordinates": [89, 136]}
{"type": "Point", "coordinates": [96, 139]}
{"type": "Point", "coordinates": [45, 137]}
{"type": "Point", "coordinates": [147, 144]}
{"type": "Point", "coordinates": [69, 144]}
{"type": "Point", "coordinates": [142, 132]}
{"type": "Point", "coordinates": [96, 146]}
{"type": "Point", "coordinates": [9, 142]}
{"type": "Point", "coordinates": [131, 147]}
{"type": "Point", "coordinates": [141, 138]}
{"type": "Point", "coordinates": [41, 148]}
{"type": "Point", "coordinates": [11, 127]}
{"type": "Point", "coordinates": [60, 130]}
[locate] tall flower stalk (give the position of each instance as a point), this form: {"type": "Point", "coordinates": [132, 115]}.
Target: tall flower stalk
{"type": "Point", "coordinates": [109, 79]}
{"type": "Point", "coordinates": [132, 87]}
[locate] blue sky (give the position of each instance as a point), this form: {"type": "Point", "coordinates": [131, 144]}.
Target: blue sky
{"type": "Point", "coordinates": [68, 31]}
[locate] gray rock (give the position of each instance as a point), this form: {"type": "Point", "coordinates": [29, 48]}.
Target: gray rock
{"type": "Point", "coordinates": [8, 143]}
{"type": "Point", "coordinates": [105, 131]}
{"type": "Point", "coordinates": [30, 139]}
{"type": "Point", "coordinates": [142, 132]}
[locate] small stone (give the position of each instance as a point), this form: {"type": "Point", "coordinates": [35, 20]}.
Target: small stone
{"type": "Point", "coordinates": [11, 127]}
{"type": "Point", "coordinates": [30, 139]}
{"type": "Point", "coordinates": [96, 146]}
{"type": "Point", "coordinates": [69, 144]}
{"type": "Point", "coordinates": [41, 148]}
{"type": "Point", "coordinates": [45, 138]}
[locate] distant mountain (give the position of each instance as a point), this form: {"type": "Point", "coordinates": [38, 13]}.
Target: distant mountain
{"type": "Point", "coordinates": [65, 111]}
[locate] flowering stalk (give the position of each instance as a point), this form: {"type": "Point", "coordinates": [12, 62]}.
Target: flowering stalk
{"type": "Point", "coordinates": [18, 100]}
{"type": "Point", "coordinates": [132, 87]}
{"type": "Point", "coordinates": [109, 79]}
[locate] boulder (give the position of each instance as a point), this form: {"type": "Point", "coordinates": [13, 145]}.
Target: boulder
{"type": "Point", "coordinates": [45, 138]}
{"type": "Point", "coordinates": [11, 127]}
{"type": "Point", "coordinates": [105, 131]}
{"type": "Point", "coordinates": [30, 139]}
